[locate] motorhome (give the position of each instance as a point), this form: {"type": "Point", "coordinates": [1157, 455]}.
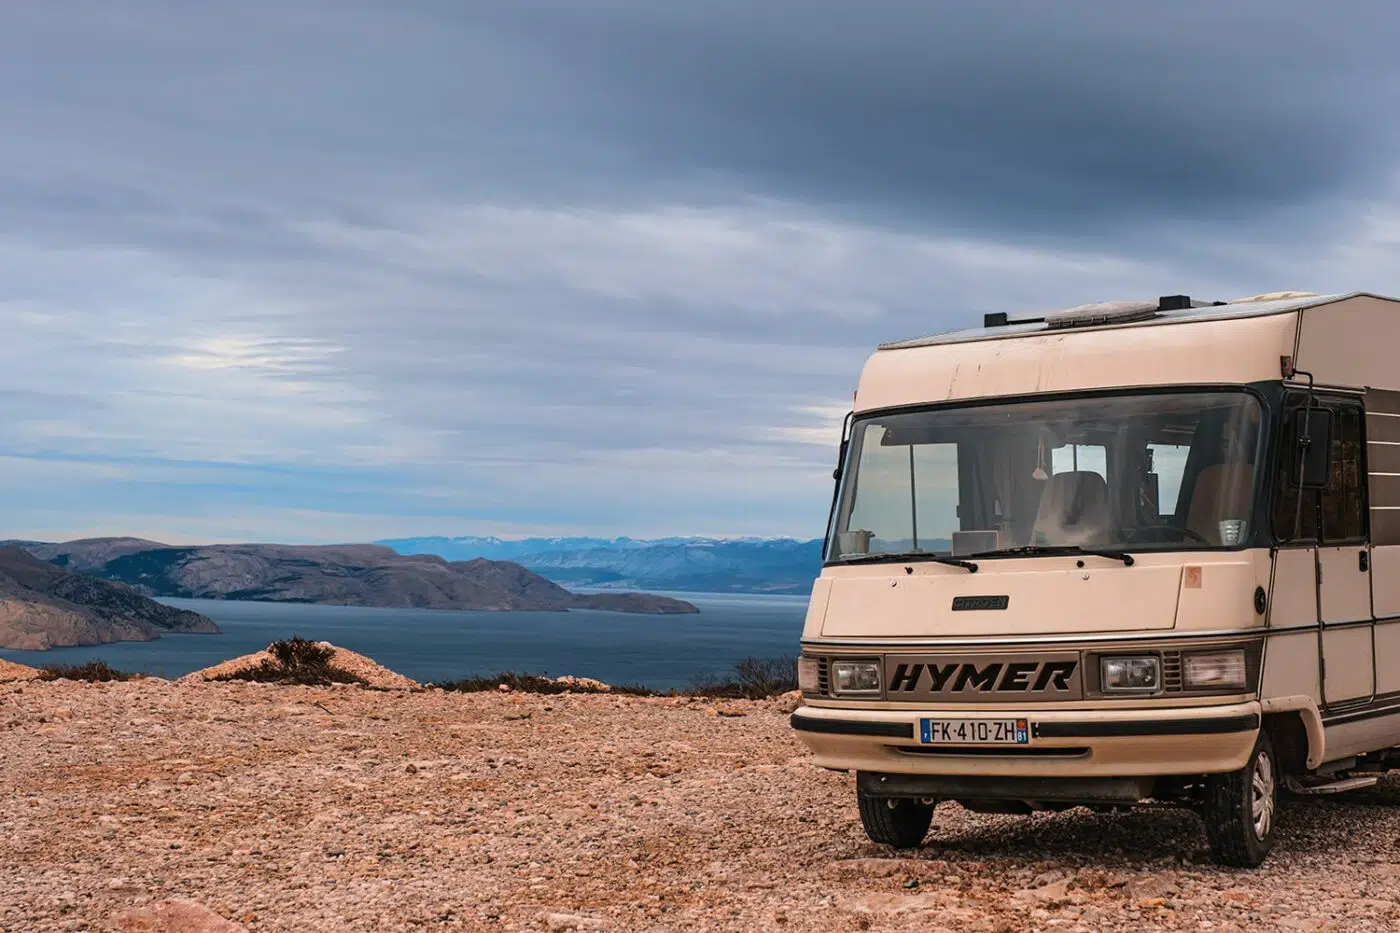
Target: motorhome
{"type": "Point", "coordinates": [1124, 553]}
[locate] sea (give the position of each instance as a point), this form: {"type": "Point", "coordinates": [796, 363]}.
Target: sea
{"type": "Point", "coordinates": [657, 651]}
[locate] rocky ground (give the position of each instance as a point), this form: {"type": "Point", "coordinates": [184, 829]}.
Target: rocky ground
{"type": "Point", "coordinates": [148, 805]}
{"type": "Point", "coordinates": [9, 670]}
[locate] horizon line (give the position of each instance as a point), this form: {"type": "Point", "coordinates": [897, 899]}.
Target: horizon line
{"type": "Point", "coordinates": [182, 541]}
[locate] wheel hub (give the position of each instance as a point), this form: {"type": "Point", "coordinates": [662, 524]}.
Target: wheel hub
{"type": "Point", "coordinates": [1262, 795]}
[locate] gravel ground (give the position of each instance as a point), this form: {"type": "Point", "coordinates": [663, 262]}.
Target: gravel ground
{"type": "Point", "coordinates": [9, 671]}
{"type": "Point", "coordinates": [296, 809]}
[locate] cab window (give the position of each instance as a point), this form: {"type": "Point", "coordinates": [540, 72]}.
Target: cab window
{"type": "Point", "coordinates": [1341, 505]}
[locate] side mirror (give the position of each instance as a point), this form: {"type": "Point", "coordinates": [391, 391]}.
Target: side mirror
{"type": "Point", "coordinates": [1312, 432]}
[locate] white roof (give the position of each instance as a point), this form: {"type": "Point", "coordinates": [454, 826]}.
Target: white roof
{"type": "Point", "coordinates": [1245, 307]}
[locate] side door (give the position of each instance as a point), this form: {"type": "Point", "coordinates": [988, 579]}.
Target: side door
{"type": "Point", "coordinates": [1383, 465]}
{"type": "Point", "coordinates": [1348, 669]}
{"type": "Point", "coordinates": [1293, 658]}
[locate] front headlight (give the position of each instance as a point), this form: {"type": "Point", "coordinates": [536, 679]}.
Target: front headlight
{"type": "Point", "coordinates": [850, 678]}
{"type": "Point", "coordinates": [1130, 675]}
{"type": "Point", "coordinates": [1213, 669]}
{"type": "Point", "coordinates": [808, 675]}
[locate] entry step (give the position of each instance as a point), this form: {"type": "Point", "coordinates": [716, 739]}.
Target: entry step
{"type": "Point", "coordinates": [1325, 786]}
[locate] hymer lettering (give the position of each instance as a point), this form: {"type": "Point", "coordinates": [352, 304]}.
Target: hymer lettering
{"type": "Point", "coordinates": [983, 679]}
{"type": "Point", "coordinates": [906, 678]}
{"type": "Point", "coordinates": [940, 675]}
{"type": "Point", "coordinates": [1057, 673]}
{"type": "Point", "coordinates": [1017, 676]}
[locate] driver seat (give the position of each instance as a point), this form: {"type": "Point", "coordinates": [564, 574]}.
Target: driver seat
{"type": "Point", "coordinates": [1220, 491]}
{"type": "Point", "coordinates": [1073, 510]}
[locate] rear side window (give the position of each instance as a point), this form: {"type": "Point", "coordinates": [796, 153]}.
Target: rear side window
{"type": "Point", "coordinates": [1344, 499]}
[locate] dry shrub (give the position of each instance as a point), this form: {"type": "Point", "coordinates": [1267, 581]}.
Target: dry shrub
{"type": "Point", "coordinates": [92, 672]}
{"type": "Point", "coordinates": [753, 679]}
{"type": "Point", "coordinates": [296, 661]}
{"type": "Point", "coordinates": [538, 683]}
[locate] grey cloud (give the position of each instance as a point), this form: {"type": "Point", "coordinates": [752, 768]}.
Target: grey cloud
{"type": "Point", "coordinates": [595, 265]}
{"type": "Point", "coordinates": [1039, 121]}
{"type": "Point", "coordinates": [1051, 119]}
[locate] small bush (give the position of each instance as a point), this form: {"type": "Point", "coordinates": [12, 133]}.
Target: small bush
{"type": "Point", "coordinates": [767, 678]}
{"type": "Point", "coordinates": [753, 679]}
{"type": "Point", "coordinates": [92, 672]}
{"type": "Point", "coordinates": [525, 683]}
{"type": "Point", "coordinates": [297, 653]}
{"type": "Point", "coordinates": [538, 683]}
{"type": "Point", "coordinates": [299, 662]}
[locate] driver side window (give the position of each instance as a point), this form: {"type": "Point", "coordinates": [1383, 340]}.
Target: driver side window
{"type": "Point", "coordinates": [1343, 500]}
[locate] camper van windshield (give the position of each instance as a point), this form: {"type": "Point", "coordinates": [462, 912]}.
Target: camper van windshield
{"type": "Point", "coordinates": [1149, 471]}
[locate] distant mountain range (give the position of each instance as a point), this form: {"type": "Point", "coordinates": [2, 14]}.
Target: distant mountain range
{"type": "Point", "coordinates": [339, 575]}
{"type": "Point", "coordinates": [714, 565]}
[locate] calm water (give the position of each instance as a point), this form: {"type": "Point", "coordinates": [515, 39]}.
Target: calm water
{"type": "Point", "coordinates": [430, 644]}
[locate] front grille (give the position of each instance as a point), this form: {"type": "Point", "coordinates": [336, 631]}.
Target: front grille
{"type": "Point", "coordinates": [824, 676]}
{"type": "Point", "coordinates": [1171, 672]}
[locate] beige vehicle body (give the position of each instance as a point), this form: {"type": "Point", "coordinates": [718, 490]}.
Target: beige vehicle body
{"type": "Point", "coordinates": [1169, 435]}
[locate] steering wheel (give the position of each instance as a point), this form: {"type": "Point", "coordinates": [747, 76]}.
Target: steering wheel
{"type": "Point", "coordinates": [1131, 534]}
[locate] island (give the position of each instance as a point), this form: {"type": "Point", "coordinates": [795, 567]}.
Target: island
{"type": "Point", "coordinates": [368, 575]}
{"type": "Point", "coordinates": [43, 606]}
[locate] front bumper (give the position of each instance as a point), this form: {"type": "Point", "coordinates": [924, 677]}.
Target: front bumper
{"type": "Point", "coordinates": [1063, 743]}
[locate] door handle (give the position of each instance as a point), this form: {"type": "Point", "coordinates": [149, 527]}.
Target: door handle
{"type": "Point", "coordinates": [1364, 560]}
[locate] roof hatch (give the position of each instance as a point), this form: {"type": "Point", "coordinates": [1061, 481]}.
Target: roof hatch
{"type": "Point", "coordinates": [1103, 312]}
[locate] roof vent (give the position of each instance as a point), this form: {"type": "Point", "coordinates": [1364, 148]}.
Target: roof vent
{"type": "Point", "coordinates": [1002, 319]}
{"type": "Point", "coordinates": [1103, 312]}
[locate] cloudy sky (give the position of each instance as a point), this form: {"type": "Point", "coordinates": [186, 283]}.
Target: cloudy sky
{"type": "Point", "coordinates": [328, 271]}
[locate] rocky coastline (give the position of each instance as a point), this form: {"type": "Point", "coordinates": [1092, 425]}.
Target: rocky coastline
{"type": "Point", "coordinates": [101, 590]}
{"type": "Point", "coordinates": [365, 575]}
{"type": "Point", "coordinates": [44, 606]}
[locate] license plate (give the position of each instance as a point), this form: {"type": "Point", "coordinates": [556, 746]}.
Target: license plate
{"type": "Point", "coordinates": [974, 731]}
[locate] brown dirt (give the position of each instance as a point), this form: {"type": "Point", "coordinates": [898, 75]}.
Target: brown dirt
{"type": "Point", "coordinates": [311, 809]}
{"type": "Point", "coordinates": [374, 674]}
{"type": "Point", "coordinates": [9, 671]}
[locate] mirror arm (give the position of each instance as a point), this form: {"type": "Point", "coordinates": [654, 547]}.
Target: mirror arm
{"type": "Point", "coordinates": [844, 445]}
{"type": "Point", "coordinates": [836, 477]}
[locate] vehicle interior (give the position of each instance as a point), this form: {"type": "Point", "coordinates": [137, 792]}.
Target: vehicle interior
{"type": "Point", "coordinates": [1170, 472]}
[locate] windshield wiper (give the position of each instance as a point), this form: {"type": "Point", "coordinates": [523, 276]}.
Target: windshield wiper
{"type": "Point", "coordinates": [897, 556]}
{"type": "Point", "coordinates": [1125, 557]}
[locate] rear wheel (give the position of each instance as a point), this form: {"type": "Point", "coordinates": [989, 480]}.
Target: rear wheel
{"type": "Point", "coordinates": [894, 821]}
{"type": "Point", "coordinates": [1240, 809]}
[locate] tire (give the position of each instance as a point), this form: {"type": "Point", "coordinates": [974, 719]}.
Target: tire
{"type": "Point", "coordinates": [1241, 808]}
{"type": "Point", "coordinates": [894, 821]}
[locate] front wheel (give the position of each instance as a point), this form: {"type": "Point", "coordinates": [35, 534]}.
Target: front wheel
{"type": "Point", "coordinates": [1240, 809]}
{"type": "Point", "coordinates": [894, 821]}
